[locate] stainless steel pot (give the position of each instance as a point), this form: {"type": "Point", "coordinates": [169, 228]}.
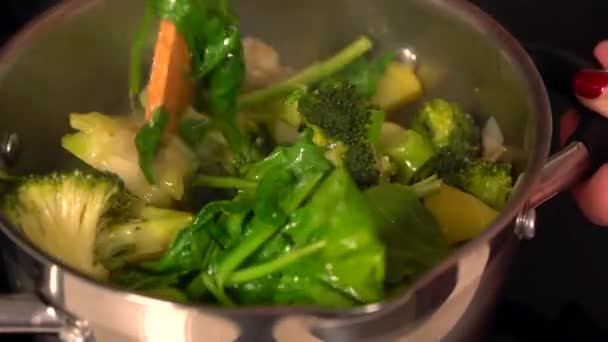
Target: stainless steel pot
{"type": "Point", "coordinates": [75, 58]}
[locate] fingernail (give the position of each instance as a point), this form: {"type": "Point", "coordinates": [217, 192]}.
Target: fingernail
{"type": "Point", "coordinates": [591, 84]}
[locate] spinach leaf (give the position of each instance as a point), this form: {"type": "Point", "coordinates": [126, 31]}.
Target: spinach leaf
{"type": "Point", "coordinates": [412, 237]}
{"type": "Point", "coordinates": [299, 286]}
{"type": "Point", "coordinates": [285, 179]}
{"type": "Point", "coordinates": [255, 241]}
{"type": "Point", "coordinates": [148, 141]}
{"type": "Point", "coordinates": [193, 130]}
{"type": "Point", "coordinates": [188, 250]}
{"type": "Point", "coordinates": [353, 260]}
{"type": "Point", "coordinates": [223, 87]}
{"type": "Point", "coordinates": [345, 266]}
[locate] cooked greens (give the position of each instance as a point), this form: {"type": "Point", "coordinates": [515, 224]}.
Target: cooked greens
{"type": "Point", "coordinates": [340, 208]}
{"type": "Point", "coordinates": [147, 142]}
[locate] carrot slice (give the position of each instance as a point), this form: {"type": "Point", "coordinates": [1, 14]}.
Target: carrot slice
{"type": "Point", "coordinates": [170, 85]}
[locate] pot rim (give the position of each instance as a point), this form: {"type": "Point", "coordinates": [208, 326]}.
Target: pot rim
{"type": "Point", "coordinates": [470, 13]}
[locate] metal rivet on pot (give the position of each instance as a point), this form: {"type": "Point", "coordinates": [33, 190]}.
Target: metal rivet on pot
{"type": "Point", "coordinates": [10, 148]}
{"type": "Point", "coordinates": [525, 224]}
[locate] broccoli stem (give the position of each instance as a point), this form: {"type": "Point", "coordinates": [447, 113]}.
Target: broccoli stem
{"type": "Point", "coordinates": [258, 271]}
{"type": "Point", "coordinates": [427, 186]}
{"type": "Point", "coordinates": [310, 75]}
{"type": "Point", "coordinates": [225, 182]}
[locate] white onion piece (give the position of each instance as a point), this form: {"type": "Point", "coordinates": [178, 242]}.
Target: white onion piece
{"type": "Point", "coordinates": [492, 140]}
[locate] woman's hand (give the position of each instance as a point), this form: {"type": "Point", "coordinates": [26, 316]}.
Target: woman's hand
{"type": "Point", "coordinates": [591, 88]}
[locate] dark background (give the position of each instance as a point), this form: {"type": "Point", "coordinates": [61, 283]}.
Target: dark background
{"type": "Point", "coordinates": [557, 289]}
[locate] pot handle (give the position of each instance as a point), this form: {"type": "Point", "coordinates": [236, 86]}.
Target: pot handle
{"type": "Point", "coordinates": [587, 148]}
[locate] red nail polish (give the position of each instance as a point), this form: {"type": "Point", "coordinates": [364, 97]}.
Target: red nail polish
{"type": "Point", "coordinates": [591, 84]}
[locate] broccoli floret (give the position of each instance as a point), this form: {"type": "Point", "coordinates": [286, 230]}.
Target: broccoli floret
{"type": "Point", "coordinates": [338, 110]}
{"type": "Point", "coordinates": [90, 222]}
{"type": "Point", "coordinates": [489, 181]}
{"type": "Point", "coordinates": [107, 143]}
{"type": "Point", "coordinates": [360, 161]}
{"type": "Point", "coordinates": [344, 119]}
{"type": "Point", "coordinates": [62, 214]}
{"type": "Point", "coordinates": [448, 126]}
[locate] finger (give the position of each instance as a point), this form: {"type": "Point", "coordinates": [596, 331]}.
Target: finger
{"type": "Point", "coordinates": [601, 53]}
{"type": "Point", "coordinates": [591, 86]}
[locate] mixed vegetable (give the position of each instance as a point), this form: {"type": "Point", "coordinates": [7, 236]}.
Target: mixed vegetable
{"type": "Point", "coordinates": [284, 189]}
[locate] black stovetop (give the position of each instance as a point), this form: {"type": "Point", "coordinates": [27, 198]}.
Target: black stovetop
{"type": "Point", "coordinates": [557, 287]}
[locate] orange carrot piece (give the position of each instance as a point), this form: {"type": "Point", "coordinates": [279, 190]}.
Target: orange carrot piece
{"type": "Point", "coordinates": [170, 85]}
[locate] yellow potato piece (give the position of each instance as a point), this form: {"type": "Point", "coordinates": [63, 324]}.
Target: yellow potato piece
{"type": "Point", "coordinates": [460, 215]}
{"type": "Point", "coordinates": [398, 86]}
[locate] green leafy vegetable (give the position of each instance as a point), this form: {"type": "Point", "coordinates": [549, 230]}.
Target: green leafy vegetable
{"type": "Point", "coordinates": [194, 129]}
{"type": "Point", "coordinates": [148, 141]}
{"type": "Point", "coordinates": [214, 41]}
{"type": "Point", "coordinates": [205, 139]}
{"type": "Point", "coordinates": [353, 260]}
{"type": "Point", "coordinates": [414, 241]}
{"type": "Point", "coordinates": [264, 238]}
{"type": "Point", "coordinates": [191, 245]}
{"type": "Point", "coordinates": [347, 270]}
{"type": "Point", "coordinates": [259, 271]}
